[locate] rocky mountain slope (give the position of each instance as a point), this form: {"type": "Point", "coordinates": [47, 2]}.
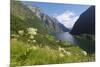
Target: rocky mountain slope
{"type": "Point", "coordinates": [86, 22]}
{"type": "Point", "coordinates": [24, 16]}
{"type": "Point", "coordinates": [50, 23]}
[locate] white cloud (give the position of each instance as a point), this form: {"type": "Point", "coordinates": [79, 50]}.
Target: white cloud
{"type": "Point", "coordinates": [67, 18]}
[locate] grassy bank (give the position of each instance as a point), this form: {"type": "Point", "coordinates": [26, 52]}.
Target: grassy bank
{"type": "Point", "coordinates": [32, 54]}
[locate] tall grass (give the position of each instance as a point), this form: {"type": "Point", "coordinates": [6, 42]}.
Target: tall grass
{"type": "Point", "coordinates": [31, 54]}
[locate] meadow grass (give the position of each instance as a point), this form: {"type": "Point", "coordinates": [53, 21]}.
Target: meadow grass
{"type": "Point", "coordinates": [23, 54]}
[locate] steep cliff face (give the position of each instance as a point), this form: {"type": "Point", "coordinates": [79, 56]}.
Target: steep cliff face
{"type": "Point", "coordinates": [86, 22]}
{"type": "Point", "coordinates": [52, 24]}
{"type": "Point", "coordinates": [24, 16]}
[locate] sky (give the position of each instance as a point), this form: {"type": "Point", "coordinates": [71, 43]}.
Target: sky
{"type": "Point", "coordinates": [67, 14]}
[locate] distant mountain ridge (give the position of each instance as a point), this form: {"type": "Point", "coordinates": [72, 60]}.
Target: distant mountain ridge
{"type": "Point", "coordinates": [24, 16]}
{"type": "Point", "coordinates": [86, 22]}
{"type": "Point", "coordinates": [51, 23]}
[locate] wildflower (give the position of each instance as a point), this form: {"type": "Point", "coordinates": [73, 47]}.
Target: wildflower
{"type": "Point", "coordinates": [84, 53]}
{"type": "Point", "coordinates": [21, 32]}
{"type": "Point", "coordinates": [57, 41]}
{"type": "Point", "coordinates": [61, 55]}
{"type": "Point", "coordinates": [36, 30]}
{"type": "Point", "coordinates": [64, 51]}
{"type": "Point", "coordinates": [61, 49]}
{"type": "Point", "coordinates": [28, 40]}
{"type": "Point", "coordinates": [34, 41]}
{"type": "Point", "coordinates": [13, 36]}
{"type": "Point", "coordinates": [31, 37]}
{"type": "Point", "coordinates": [33, 47]}
{"type": "Point", "coordinates": [68, 53]}
{"type": "Point", "coordinates": [32, 31]}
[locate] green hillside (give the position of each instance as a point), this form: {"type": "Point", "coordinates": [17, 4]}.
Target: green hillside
{"type": "Point", "coordinates": [22, 17]}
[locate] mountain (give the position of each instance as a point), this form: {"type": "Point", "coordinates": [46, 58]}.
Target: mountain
{"type": "Point", "coordinates": [24, 16]}
{"type": "Point", "coordinates": [51, 23]}
{"type": "Point", "coordinates": [67, 18]}
{"type": "Point", "coordinates": [86, 22]}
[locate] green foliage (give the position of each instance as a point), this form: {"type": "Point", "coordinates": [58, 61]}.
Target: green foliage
{"type": "Point", "coordinates": [22, 18]}
{"type": "Point", "coordinates": [86, 36]}
{"type": "Point", "coordinates": [87, 42]}
{"type": "Point", "coordinates": [31, 54]}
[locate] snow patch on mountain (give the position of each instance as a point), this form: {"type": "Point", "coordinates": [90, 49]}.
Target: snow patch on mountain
{"type": "Point", "coordinates": [68, 18]}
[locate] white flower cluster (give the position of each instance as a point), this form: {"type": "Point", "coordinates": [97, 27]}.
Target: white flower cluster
{"type": "Point", "coordinates": [84, 53]}
{"type": "Point", "coordinates": [57, 41]}
{"type": "Point", "coordinates": [20, 32]}
{"type": "Point", "coordinates": [62, 50]}
{"type": "Point", "coordinates": [31, 40]}
{"type": "Point", "coordinates": [34, 41]}
{"type": "Point", "coordinates": [31, 37]}
{"type": "Point", "coordinates": [33, 47]}
{"type": "Point", "coordinates": [61, 55]}
{"type": "Point", "coordinates": [32, 31]}
{"type": "Point", "coordinates": [29, 33]}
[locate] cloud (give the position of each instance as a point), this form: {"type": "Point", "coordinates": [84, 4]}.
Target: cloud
{"type": "Point", "coordinates": [67, 18]}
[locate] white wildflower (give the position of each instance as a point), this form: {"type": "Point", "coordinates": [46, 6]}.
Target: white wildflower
{"type": "Point", "coordinates": [31, 37]}
{"type": "Point", "coordinates": [36, 30]}
{"type": "Point", "coordinates": [61, 55]}
{"type": "Point", "coordinates": [57, 41]}
{"type": "Point", "coordinates": [32, 31]}
{"type": "Point", "coordinates": [84, 53]}
{"type": "Point", "coordinates": [61, 49]}
{"type": "Point", "coordinates": [21, 32]}
{"type": "Point", "coordinates": [33, 47]}
{"type": "Point", "coordinates": [13, 35]}
{"type": "Point", "coordinates": [28, 40]}
{"type": "Point", "coordinates": [64, 51]}
{"type": "Point", "coordinates": [68, 53]}
{"type": "Point", "coordinates": [34, 41]}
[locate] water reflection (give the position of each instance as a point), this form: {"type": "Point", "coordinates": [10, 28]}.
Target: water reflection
{"type": "Point", "coordinates": [86, 45]}
{"type": "Point", "coordinates": [66, 36]}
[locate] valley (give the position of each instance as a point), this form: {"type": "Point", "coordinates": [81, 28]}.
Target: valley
{"type": "Point", "coordinates": [37, 38]}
